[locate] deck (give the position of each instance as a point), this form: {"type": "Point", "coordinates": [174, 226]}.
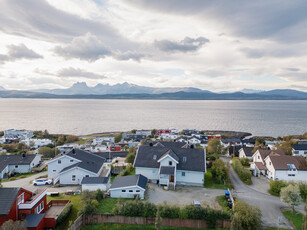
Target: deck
{"type": "Point", "coordinates": [55, 207]}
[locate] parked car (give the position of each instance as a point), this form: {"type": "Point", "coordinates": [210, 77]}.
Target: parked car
{"type": "Point", "coordinates": [43, 181]}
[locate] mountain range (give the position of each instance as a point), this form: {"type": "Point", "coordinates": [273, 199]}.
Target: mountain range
{"type": "Point", "coordinates": [129, 91]}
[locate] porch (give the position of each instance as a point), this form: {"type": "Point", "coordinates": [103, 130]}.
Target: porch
{"type": "Point", "coordinates": [167, 176]}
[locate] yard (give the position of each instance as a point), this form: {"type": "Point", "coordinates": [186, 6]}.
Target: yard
{"type": "Point", "coordinates": [106, 205]}
{"type": "Point", "coordinates": [223, 203]}
{"type": "Point", "coordinates": [296, 218]}
{"type": "Point", "coordinates": [130, 227]}
{"type": "Point", "coordinates": [22, 175]}
{"type": "Point", "coordinates": [209, 182]}
{"type": "Point", "coordinates": [76, 205]}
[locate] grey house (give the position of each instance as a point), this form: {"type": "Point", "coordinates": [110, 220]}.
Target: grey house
{"type": "Point", "coordinates": [128, 187]}
{"type": "Point", "coordinates": [18, 163]}
{"type": "Point", "coordinates": [72, 167]}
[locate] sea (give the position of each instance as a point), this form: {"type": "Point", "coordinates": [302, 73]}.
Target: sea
{"type": "Point", "coordinates": [88, 116]}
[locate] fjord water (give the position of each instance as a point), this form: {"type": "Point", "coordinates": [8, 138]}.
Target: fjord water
{"type": "Point", "coordinates": [85, 116]}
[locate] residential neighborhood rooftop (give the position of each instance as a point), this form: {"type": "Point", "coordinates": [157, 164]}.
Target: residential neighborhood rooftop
{"type": "Point", "coordinates": [127, 181]}
{"type": "Point", "coordinates": [95, 180]}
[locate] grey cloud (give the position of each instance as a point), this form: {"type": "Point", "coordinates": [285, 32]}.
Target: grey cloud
{"type": "Point", "coordinates": [276, 19]}
{"type": "Point", "coordinates": [186, 45]}
{"type": "Point", "coordinates": [76, 72]}
{"type": "Point", "coordinates": [294, 76]}
{"type": "Point", "coordinates": [293, 69]}
{"type": "Point", "coordinates": [277, 50]}
{"type": "Point", "coordinates": [16, 52]}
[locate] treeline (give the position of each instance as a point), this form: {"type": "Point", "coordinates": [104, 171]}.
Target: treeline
{"type": "Point", "coordinates": [277, 185]}
{"type": "Point", "coordinates": [146, 209]}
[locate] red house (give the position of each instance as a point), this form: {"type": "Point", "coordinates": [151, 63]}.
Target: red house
{"type": "Point", "coordinates": [160, 131]}
{"type": "Point", "coordinates": [21, 204]}
{"type": "Point", "coordinates": [115, 148]}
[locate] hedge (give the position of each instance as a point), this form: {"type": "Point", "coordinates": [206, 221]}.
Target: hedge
{"type": "Point", "coordinates": [64, 214]}
{"type": "Point", "coordinates": [141, 209]}
{"type": "Point", "coordinates": [244, 174]}
{"type": "Point", "coordinates": [277, 185]}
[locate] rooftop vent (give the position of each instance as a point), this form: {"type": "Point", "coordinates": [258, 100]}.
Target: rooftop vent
{"type": "Point", "coordinates": [155, 157]}
{"type": "Point", "coordinates": [192, 146]}
{"type": "Point", "coordinates": [151, 144]}
{"type": "Point", "coordinates": [73, 151]}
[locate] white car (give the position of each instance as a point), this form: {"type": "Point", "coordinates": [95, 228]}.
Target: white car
{"type": "Point", "coordinates": [43, 181]}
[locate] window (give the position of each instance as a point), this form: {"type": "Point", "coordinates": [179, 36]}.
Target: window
{"type": "Point", "coordinates": [305, 152]}
{"type": "Point", "coordinates": [170, 163]}
{"type": "Point", "coordinates": [296, 152]}
{"type": "Point", "coordinates": [155, 157]}
{"type": "Point", "coordinates": [291, 174]}
{"type": "Point", "coordinates": [258, 157]}
{"type": "Point", "coordinates": [137, 191]}
{"type": "Point", "coordinates": [71, 160]}
{"type": "Point", "coordinates": [59, 161]}
{"type": "Point", "coordinates": [183, 174]}
{"type": "Point", "coordinates": [54, 170]}
{"type": "Point", "coordinates": [184, 159]}
{"type": "Point", "coordinates": [16, 166]}
{"type": "Point", "coordinates": [123, 190]}
{"type": "Point", "coordinates": [23, 216]}
{"type": "Point", "coordinates": [86, 175]}
{"type": "Point", "coordinates": [20, 199]}
{"type": "Point", "coordinates": [130, 190]}
{"type": "Point", "coordinates": [154, 171]}
{"type": "Point", "coordinates": [39, 208]}
{"type": "Point", "coordinates": [73, 177]}
{"type": "Point", "coordinates": [270, 163]}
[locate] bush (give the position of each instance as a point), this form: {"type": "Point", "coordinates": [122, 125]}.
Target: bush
{"type": "Point", "coordinates": [99, 195]}
{"type": "Point", "coordinates": [12, 178]}
{"type": "Point", "coordinates": [244, 174]}
{"type": "Point", "coordinates": [127, 171]}
{"type": "Point", "coordinates": [64, 214]}
{"type": "Point", "coordinates": [244, 161]}
{"type": "Point", "coordinates": [149, 210]}
{"type": "Point", "coordinates": [219, 171]}
{"type": "Point", "coordinates": [167, 211]}
{"type": "Point", "coordinates": [303, 190]}
{"type": "Point", "coordinates": [22, 176]}
{"type": "Point", "coordinates": [276, 186]}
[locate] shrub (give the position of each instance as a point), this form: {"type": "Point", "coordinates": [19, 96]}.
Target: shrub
{"type": "Point", "coordinates": [219, 171]}
{"type": "Point", "coordinates": [276, 186]}
{"type": "Point", "coordinates": [244, 174]}
{"type": "Point", "coordinates": [149, 210]}
{"type": "Point", "coordinates": [127, 171]}
{"type": "Point", "coordinates": [22, 176]}
{"type": "Point", "coordinates": [167, 211]}
{"type": "Point", "coordinates": [244, 161]}
{"type": "Point", "coordinates": [99, 195]}
{"type": "Point", "coordinates": [64, 214]}
{"type": "Point", "coordinates": [12, 178]}
{"type": "Point", "coordinates": [303, 190]}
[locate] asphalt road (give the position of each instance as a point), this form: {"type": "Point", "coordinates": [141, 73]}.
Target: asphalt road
{"type": "Point", "coordinates": [269, 205]}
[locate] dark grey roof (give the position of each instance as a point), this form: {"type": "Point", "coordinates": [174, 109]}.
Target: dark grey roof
{"type": "Point", "coordinates": [89, 161]}
{"type": "Point", "coordinates": [112, 155]}
{"type": "Point", "coordinates": [169, 170]}
{"type": "Point", "coordinates": [300, 146]}
{"type": "Point", "coordinates": [95, 180]}
{"type": "Point", "coordinates": [15, 160]}
{"type": "Point", "coordinates": [231, 140]}
{"type": "Point", "coordinates": [33, 220]}
{"type": "Point", "coordinates": [69, 167]}
{"type": "Point", "coordinates": [168, 144]}
{"type": "Point", "coordinates": [7, 198]}
{"type": "Point", "coordinates": [195, 158]}
{"type": "Point", "coordinates": [248, 151]}
{"type": "Point", "coordinates": [235, 150]}
{"type": "Point", "coordinates": [171, 153]}
{"type": "Point", "coordinates": [127, 181]}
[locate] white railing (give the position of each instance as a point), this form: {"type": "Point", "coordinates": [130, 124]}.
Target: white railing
{"type": "Point", "coordinates": [32, 203]}
{"type": "Point", "coordinates": [164, 182]}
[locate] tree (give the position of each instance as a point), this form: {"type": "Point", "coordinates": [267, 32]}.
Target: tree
{"type": "Point", "coordinates": [61, 140]}
{"type": "Point", "coordinates": [219, 171]}
{"type": "Point", "coordinates": [72, 138]}
{"type": "Point", "coordinates": [260, 144]}
{"type": "Point", "coordinates": [118, 137]}
{"type": "Point", "coordinates": [48, 152]}
{"type": "Point", "coordinates": [286, 146]}
{"type": "Point", "coordinates": [14, 225]}
{"type": "Point", "coordinates": [291, 195]}
{"type": "Point", "coordinates": [153, 132]}
{"type": "Point", "coordinates": [214, 146]}
{"type": "Point", "coordinates": [131, 156]}
{"type": "Point", "coordinates": [158, 221]}
{"type": "Point", "coordinates": [246, 217]}
{"type": "Point", "coordinates": [133, 131]}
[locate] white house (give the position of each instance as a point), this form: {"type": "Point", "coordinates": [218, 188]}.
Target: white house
{"type": "Point", "coordinates": [37, 143]}
{"type": "Point", "coordinates": [70, 168]}
{"type": "Point", "coordinates": [230, 141]}
{"type": "Point", "coordinates": [143, 132]}
{"type": "Point", "coordinates": [18, 163]}
{"type": "Point", "coordinates": [299, 150]}
{"type": "Point", "coordinates": [100, 140]}
{"type": "Point", "coordinates": [129, 186]}
{"type": "Point", "coordinates": [287, 168]}
{"type": "Point", "coordinates": [168, 136]}
{"type": "Point", "coordinates": [194, 140]}
{"type": "Point", "coordinates": [246, 152]}
{"type": "Point", "coordinates": [171, 163]}
{"type": "Point", "coordinates": [95, 183]}
{"type": "Point", "coordinates": [20, 134]}
{"type": "Point", "coordinates": [99, 148]}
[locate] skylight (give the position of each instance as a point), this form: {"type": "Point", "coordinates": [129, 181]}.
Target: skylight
{"type": "Point", "coordinates": [291, 167]}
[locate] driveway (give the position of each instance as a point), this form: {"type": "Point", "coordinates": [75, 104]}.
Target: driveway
{"type": "Point", "coordinates": [25, 183]}
{"type": "Point", "coordinates": [183, 195]}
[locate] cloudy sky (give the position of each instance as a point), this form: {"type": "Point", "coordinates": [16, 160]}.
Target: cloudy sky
{"type": "Point", "coordinates": [214, 45]}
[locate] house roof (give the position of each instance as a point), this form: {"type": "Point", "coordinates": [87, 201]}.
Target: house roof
{"type": "Point", "coordinates": [7, 198]}
{"type": "Point", "coordinates": [113, 154]}
{"type": "Point", "coordinates": [265, 153]}
{"type": "Point", "coordinates": [230, 140]}
{"type": "Point", "coordinates": [171, 153]}
{"type": "Point", "coordinates": [89, 161]}
{"type": "Point", "coordinates": [234, 149]}
{"type": "Point", "coordinates": [33, 220]}
{"type": "Point", "coordinates": [280, 162]}
{"type": "Point", "coordinates": [128, 181]}
{"type": "Point", "coordinates": [248, 151]}
{"type": "Point", "coordinates": [300, 146]}
{"type": "Point", "coordinates": [195, 158]}
{"type": "Point", "coordinates": [168, 170]}
{"type": "Point", "coordinates": [168, 144]}
{"type": "Point", "coordinates": [95, 180]}
{"type": "Point", "coordinates": [15, 160]}
{"type": "Point", "coordinates": [260, 166]}
{"type": "Point", "coordinates": [69, 167]}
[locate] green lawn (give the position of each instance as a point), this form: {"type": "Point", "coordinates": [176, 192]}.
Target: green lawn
{"type": "Point", "coordinates": [22, 175]}
{"type": "Point", "coordinates": [296, 218]}
{"type": "Point", "coordinates": [223, 203]}
{"type": "Point", "coordinates": [106, 205]}
{"type": "Point", "coordinates": [129, 227]}
{"type": "Point", "coordinates": [209, 182]}
{"type": "Point", "coordinates": [76, 205]}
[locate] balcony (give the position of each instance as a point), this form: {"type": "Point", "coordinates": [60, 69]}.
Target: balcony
{"type": "Point", "coordinates": [37, 196]}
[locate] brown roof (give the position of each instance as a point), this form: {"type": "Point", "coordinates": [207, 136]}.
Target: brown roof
{"type": "Point", "coordinates": [260, 166]}
{"type": "Point", "coordinates": [265, 153]}
{"type": "Point", "coordinates": [280, 162]}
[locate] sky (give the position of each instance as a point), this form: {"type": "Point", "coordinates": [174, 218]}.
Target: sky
{"type": "Point", "coordinates": [212, 45]}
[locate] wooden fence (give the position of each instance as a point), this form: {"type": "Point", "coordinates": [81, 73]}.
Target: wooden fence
{"type": "Point", "coordinates": [179, 223]}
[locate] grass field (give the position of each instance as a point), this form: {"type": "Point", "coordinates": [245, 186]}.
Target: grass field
{"type": "Point", "coordinates": [76, 205]}
{"type": "Point", "coordinates": [106, 205]}
{"type": "Point", "coordinates": [130, 227]}
{"type": "Point", "coordinates": [296, 218]}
